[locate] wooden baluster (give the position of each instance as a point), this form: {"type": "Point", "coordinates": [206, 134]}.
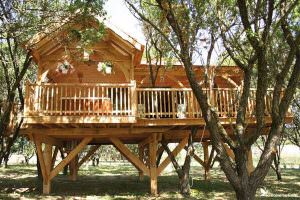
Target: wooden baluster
{"type": "Point", "coordinates": [140, 93]}
{"type": "Point", "coordinates": [160, 104]}
{"type": "Point", "coordinates": [134, 98]}
{"type": "Point", "coordinates": [121, 101]}
{"type": "Point", "coordinates": [152, 104]}
{"type": "Point", "coordinates": [112, 100]}
{"type": "Point", "coordinates": [169, 103]}
{"type": "Point", "coordinates": [26, 103]}
{"type": "Point", "coordinates": [193, 105]}
{"type": "Point", "coordinates": [111, 103]}
{"type": "Point", "coordinates": [116, 100]}
{"type": "Point", "coordinates": [69, 99]}
{"type": "Point", "coordinates": [65, 99]}
{"type": "Point", "coordinates": [51, 94]}
{"type": "Point", "coordinates": [156, 104]}
{"type": "Point", "coordinates": [125, 89]}
{"type": "Point", "coordinates": [56, 100]}
{"type": "Point", "coordinates": [174, 98]}
{"type": "Point", "coordinates": [79, 100]}
{"type": "Point", "coordinates": [129, 95]}
{"type": "Point", "coordinates": [98, 99]}
{"type": "Point", "coordinates": [101, 99]}
{"type": "Point", "coordinates": [164, 104]}
{"type": "Point", "coordinates": [231, 106]}
{"type": "Point", "coordinates": [144, 102]}
{"type": "Point", "coordinates": [227, 102]}
{"type": "Point", "coordinates": [221, 101]}
{"type": "Point", "coordinates": [61, 100]}
{"type": "Point", "coordinates": [47, 101]}
{"type": "Point", "coordinates": [89, 100]}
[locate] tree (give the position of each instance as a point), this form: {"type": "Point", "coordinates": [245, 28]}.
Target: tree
{"type": "Point", "coordinates": [277, 159]}
{"type": "Point", "coordinates": [20, 20]}
{"type": "Point", "coordinates": [152, 13]}
{"type": "Point", "coordinates": [158, 52]}
{"type": "Point", "coordinates": [294, 129]}
{"type": "Point", "coordinates": [249, 27]}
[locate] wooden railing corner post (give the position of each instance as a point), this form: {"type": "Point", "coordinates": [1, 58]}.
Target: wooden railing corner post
{"type": "Point", "coordinates": [134, 98]}
{"type": "Point", "coordinates": [27, 96]}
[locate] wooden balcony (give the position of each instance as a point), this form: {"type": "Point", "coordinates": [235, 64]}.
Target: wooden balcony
{"type": "Point", "coordinates": [63, 103]}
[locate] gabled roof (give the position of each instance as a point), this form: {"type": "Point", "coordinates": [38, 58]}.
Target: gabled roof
{"type": "Point", "coordinates": [45, 43]}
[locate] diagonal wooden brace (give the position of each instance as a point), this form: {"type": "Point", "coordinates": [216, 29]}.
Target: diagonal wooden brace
{"type": "Point", "coordinates": [129, 155]}
{"type": "Point", "coordinates": [69, 157]}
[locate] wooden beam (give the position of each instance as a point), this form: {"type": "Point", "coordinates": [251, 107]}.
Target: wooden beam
{"type": "Point", "coordinates": [80, 119]}
{"type": "Point", "coordinates": [232, 82]}
{"type": "Point", "coordinates": [129, 155]}
{"type": "Point", "coordinates": [206, 158]}
{"type": "Point", "coordinates": [93, 131]}
{"type": "Point", "coordinates": [48, 139]}
{"type": "Point", "coordinates": [175, 152]}
{"type": "Point", "coordinates": [54, 157]}
{"type": "Point", "coordinates": [211, 156]}
{"type": "Point", "coordinates": [39, 150]}
{"type": "Point", "coordinates": [153, 167]}
{"type": "Point", "coordinates": [88, 155]}
{"type": "Point", "coordinates": [197, 158]}
{"type": "Point", "coordinates": [145, 141]}
{"type": "Point", "coordinates": [69, 157]}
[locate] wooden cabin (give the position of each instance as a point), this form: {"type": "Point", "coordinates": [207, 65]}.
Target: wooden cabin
{"type": "Point", "coordinates": [84, 98]}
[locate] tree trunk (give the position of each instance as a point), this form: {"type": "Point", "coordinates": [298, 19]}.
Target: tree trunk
{"type": "Point", "coordinates": [5, 163]}
{"type": "Point", "coordinates": [184, 182]}
{"type": "Point", "coordinates": [39, 181]}
{"type": "Point", "coordinates": [277, 168]}
{"type": "Point", "coordinates": [278, 174]}
{"type": "Point", "coordinates": [245, 194]}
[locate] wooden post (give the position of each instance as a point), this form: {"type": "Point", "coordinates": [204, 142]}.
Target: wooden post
{"type": "Point", "coordinates": [141, 156]}
{"type": "Point", "coordinates": [47, 154]}
{"type": "Point", "coordinates": [250, 166]}
{"type": "Point", "coordinates": [153, 167]}
{"type": "Point", "coordinates": [133, 98]}
{"type": "Point", "coordinates": [73, 163]}
{"type": "Point", "coordinates": [206, 161]}
{"type": "Point", "coordinates": [73, 168]}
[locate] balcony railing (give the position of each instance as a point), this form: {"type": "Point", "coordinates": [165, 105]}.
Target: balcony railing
{"type": "Point", "coordinates": [181, 102]}
{"type": "Point", "coordinates": [64, 99]}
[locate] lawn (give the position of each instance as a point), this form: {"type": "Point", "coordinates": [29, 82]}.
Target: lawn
{"type": "Point", "coordinates": [121, 182]}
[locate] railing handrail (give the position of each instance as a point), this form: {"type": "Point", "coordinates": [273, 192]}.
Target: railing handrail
{"type": "Point", "coordinates": [84, 84]}
{"type": "Point", "coordinates": [189, 89]}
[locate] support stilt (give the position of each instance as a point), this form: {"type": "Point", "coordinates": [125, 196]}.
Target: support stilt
{"type": "Point", "coordinates": [141, 157]}
{"type": "Point", "coordinates": [153, 167]}
{"type": "Point", "coordinates": [47, 154]}
{"type": "Point", "coordinates": [206, 161]}
{"type": "Point", "coordinates": [73, 168]}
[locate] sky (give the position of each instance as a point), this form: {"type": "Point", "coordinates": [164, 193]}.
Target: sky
{"type": "Point", "coordinates": [119, 16]}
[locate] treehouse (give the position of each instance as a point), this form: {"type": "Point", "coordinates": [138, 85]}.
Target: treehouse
{"type": "Point", "coordinates": [100, 95]}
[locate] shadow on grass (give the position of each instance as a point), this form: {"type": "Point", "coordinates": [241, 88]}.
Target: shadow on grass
{"type": "Point", "coordinates": [121, 182]}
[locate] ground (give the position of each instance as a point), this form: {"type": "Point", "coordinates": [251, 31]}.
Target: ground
{"type": "Point", "coordinates": [120, 181]}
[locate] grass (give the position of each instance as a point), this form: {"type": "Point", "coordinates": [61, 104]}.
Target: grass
{"type": "Point", "coordinates": [121, 182]}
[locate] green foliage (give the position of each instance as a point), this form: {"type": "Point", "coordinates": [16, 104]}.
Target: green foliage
{"type": "Point", "coordinates": [20, 21]}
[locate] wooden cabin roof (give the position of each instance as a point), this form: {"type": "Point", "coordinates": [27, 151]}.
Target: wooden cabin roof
{"type": "Point", "coordinates": [46, 43]}
{"type": "Point", "coordinates": [175, 76]}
